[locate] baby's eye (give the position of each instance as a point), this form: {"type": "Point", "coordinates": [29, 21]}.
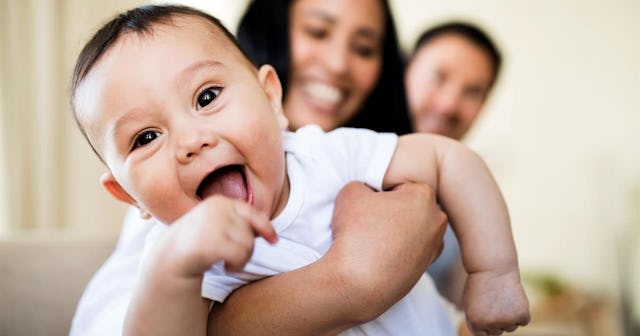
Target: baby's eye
{"type": "Point", "coordinates": [207, 96]}
{"type": "Point", "coordinates": [144, 138]}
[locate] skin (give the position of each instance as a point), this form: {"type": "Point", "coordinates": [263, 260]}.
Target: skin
{"type": "Point", "coordinates": [447, 81]}
{"type": "Point", "coordinates": [137, 119]}
{"type": "Point", "coordinates": [336, 53]}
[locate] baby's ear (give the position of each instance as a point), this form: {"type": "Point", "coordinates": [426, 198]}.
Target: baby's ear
{"type": "Point", "coordinates": [271, 84]}
{"type": "Point", "coordinates": [115, 189]}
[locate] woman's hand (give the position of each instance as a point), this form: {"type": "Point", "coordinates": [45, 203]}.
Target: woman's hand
{"type": "Point", "coordinates": [383, 242]}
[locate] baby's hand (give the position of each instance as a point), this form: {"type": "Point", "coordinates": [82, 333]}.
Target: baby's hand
{"type": "Point", "coordinates": [495, 302]}
{"type": "Point", "coordinates": [217, 229]}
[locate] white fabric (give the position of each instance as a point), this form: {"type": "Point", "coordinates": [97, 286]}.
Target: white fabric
{"type": "Point", "coordinates": [319, 165]}
{"type": "Point", "coordinates": [103, 304]}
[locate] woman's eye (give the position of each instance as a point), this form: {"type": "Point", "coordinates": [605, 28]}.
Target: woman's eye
{"type": "Point", "coordinates": [207, 96]}
{"type": "Point", "coordinates": [364, 51]}
{"type": "Point", "coordinates": [317, 33]}
{"type": "Point", "coordinates": [144, 138]}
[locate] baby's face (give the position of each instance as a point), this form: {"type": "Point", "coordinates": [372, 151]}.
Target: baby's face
{"type": "Point", "coordinates": [179, 115]}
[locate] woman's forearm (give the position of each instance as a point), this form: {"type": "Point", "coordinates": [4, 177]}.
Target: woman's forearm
{"type": "Point", "coordinates": [317, 299]}
{"type": "Point", "coordinates": [356, 280]}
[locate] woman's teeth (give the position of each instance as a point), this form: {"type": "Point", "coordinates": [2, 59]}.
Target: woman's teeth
{"type": "Point", "coordinates": [326, 93]}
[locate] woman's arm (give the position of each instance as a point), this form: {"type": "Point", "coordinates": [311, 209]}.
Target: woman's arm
{"type": "Point", "coordinates": [356, 280]}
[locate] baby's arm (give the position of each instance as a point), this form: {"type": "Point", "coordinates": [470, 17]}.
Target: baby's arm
{"type": "Point", "coordinates": [167, 299]}
{"type": "Point", "coordinates": [493, 299]}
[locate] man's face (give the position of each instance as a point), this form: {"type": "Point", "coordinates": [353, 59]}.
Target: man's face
{"type": "Point", "coordinates": [447, 83]}
{"type": "Point", "coordinates": [178, 115]}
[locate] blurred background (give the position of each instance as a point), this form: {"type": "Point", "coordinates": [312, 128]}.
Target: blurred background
{"type": "Point", "coordinates": [561, 134]}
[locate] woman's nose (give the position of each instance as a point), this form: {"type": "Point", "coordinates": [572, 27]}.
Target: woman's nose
{"type": "Point", "coordinates": [336, 57]}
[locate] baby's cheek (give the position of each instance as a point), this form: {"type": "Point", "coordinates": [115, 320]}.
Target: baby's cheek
{"type": "Point", "coordinates": [167, 211]}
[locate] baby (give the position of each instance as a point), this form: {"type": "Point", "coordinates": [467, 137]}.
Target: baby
{"type": "Point", "coordinates": [194, 135]}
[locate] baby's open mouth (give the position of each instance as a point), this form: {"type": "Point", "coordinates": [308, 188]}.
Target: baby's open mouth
{"type": "Point", "coordinates": [229, 181]}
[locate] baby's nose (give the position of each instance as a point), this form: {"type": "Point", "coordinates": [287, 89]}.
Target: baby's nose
{"type": "Point", "coordinates": [193, 143]}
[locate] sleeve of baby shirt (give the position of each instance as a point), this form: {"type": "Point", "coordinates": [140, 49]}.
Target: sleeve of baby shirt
{"type": "Point", "coordinates": [364, 153]}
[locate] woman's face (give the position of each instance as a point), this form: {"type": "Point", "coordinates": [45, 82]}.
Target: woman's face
{"type": "Point", "coordinates": [336, 56]}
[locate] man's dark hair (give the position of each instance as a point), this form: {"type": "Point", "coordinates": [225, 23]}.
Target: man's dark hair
{"type": "Point", "coordinates": [263, 34]}
{"type": "Point", "coordinates": [470, 32]}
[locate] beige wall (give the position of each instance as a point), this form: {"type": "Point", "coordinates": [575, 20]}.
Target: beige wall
{"type": "Point", "coordinates": [3, 174]}
{"type": "Point", "coordinates": [52, 175]}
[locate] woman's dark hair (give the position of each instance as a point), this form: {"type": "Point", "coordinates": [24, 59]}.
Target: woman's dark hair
{"type": "Point", "coordinates": [263, 34]}
{"type": "Point", "coordinates": [470, 32]}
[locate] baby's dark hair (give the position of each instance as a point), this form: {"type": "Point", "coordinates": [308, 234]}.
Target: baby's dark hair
{"type": "Point", "coordinates": [470, 32]}
{"type": "Point", "coordinates": [139, 20]}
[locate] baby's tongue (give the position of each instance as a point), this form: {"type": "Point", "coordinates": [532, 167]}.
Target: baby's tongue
{"type": "Point", "coordinates": [227, 181]}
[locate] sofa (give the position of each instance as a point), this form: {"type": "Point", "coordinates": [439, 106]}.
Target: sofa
{"type": "Point", "coordinates": [42, 278]}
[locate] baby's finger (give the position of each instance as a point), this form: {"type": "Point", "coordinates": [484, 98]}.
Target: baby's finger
{"type": "Point", "coordinates": [510, 328]}
{"type": "Point", "coordinates": [236, 256]}
{"type": "Point", "coordinates": [241, 233]}
{"type": "Point", "coordinates": [525, 318]}
{"type": "Point", "coordinates": [258, 221]}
